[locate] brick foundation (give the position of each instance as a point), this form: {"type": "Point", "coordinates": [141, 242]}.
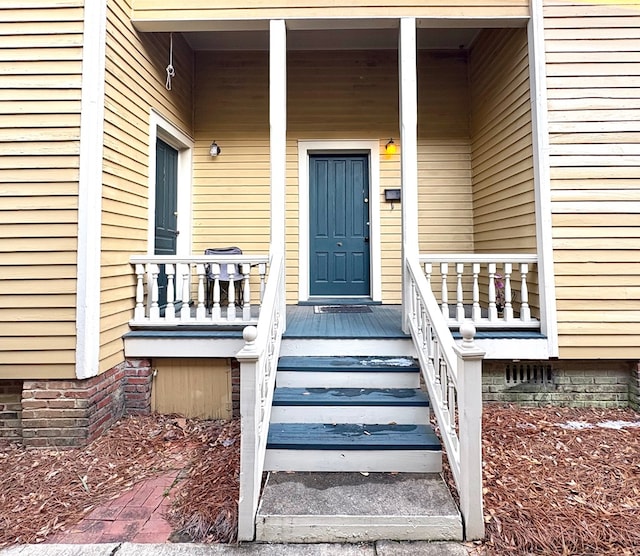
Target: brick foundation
{"type": "Point", "coordinates": [65, 413]}
{"type": "Point", "coordinates": [634, 387]}
{"type": "Point", "coordinates": [607, 384]}
{"type": "Point", "coordinates": [10, 411]}
{"type": "Point", "coordinates": [235, 388]}
{"type": "Point", "coordinates": [137, 390]}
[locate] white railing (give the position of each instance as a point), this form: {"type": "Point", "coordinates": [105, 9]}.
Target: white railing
{"type": "Point", "coordinates": [258, 364]}
{"type": "Point", "coordinates": [194, 287]}
{"type": "Point", "coordinates": [492, 290]}
{"type": "Point", "coordinates": [453, 375]}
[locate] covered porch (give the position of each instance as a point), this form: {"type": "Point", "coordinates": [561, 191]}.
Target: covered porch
{"type": "Point", "coordinates": [462, 252]}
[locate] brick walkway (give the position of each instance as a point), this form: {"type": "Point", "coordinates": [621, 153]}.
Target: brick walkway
{"type": "Point", "coordinates": [136, 516]}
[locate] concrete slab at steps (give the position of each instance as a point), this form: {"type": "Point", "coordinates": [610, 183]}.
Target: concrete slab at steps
{"type": "Point", "coordinates": [356, 507]}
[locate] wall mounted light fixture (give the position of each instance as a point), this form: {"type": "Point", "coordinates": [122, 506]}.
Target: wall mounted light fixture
{"type": "Point", "coordinates": [390, 147]}
{"type": "Point", "coordinates": [214, 149]}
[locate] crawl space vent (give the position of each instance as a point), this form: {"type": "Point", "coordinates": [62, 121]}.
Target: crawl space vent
{"type": "Point", "coordinates": [532, 373]}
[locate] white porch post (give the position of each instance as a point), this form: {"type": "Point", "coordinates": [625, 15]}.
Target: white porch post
{"type": "Point", "coordinates": [278, 136]}
{"type": "Point", "coordinates": [409, 149]}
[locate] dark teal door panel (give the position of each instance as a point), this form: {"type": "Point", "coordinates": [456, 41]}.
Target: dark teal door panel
{"type": "Point", "coordinates": [166, 216]}
{"type": "Point", "coordinates": [339, 225]}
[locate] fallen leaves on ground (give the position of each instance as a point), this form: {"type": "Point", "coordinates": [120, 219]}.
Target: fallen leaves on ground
{"type": "Point", "coordinates": [206, 507]}
{"type": "Point", "coordinates": [561, 481]}
{"type": "Point", "coordinates": [44, 491]}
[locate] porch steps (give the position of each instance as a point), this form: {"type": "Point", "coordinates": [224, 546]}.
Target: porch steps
{"type": "Point", "coordinates": [351, 454]}
{"type": "Point", "coordinates": [348, 372]}
{"type": "Point", "coordinates": [364, 414]}
{"type": "Point", "coordinates": [350, 405]}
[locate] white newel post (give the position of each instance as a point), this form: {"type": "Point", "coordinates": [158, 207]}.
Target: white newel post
{"type": "Point", "coordinates": [409, 154]}
{"type": "Point", "coordinates": [470, 423]}
{"type": "Point", "coordinates": [250, 467]}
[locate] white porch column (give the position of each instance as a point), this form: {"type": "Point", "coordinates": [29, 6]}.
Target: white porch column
{"type": "Point", "coordinates": [409, 149]}
{"type": "Point", "coordinates": [278, 136]}
{"type": "Point", "coordinates": [278, 127]}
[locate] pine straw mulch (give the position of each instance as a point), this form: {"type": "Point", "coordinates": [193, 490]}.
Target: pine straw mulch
{"type": "Point", "coordinates": [561, 481]}
{"type": "Point", "coordinates": [553, 484]}
{"type": "Point", "coordinates": [42, 492]}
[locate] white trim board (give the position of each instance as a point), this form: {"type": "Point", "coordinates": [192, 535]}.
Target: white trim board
{"type": "Point", "coordinates": [339, 146]}
{"type": "Point", "coordinates": [161, 128]}
{"type": "Point", "coordinates": [90, 190]}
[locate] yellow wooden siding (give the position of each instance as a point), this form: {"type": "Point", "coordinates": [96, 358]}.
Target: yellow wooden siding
{"type": "Point", "coordinates": [194, 10]}
{"type": "Point", "coordinates": [353, 95]}
{"type": "Point", "coordinates": [40, 91]}
{"type": "Point", "coordinates": [594, 109]}
{"type": "Point", "coordinates": [135, 84]}
{"type": "Point", "coordinates": [195, 388]}
{"type": "Point", "coordinates": [503, 190]}
{"type": "Point", "coordinates": [444, 153]}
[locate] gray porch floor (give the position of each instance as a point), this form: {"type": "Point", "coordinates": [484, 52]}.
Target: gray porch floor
{"type": "Point", "coordinates": [380, 321]}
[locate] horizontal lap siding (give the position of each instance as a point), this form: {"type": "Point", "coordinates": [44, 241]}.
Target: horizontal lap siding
{"type": "Point", "coordinates": [444, 157]}
{"type": "Point", "coordinates": [135, 83]}
{"type": "Point", "coordinates": [191, 10]}
{"type": "Point", "coordinates": [503, 196]}
{"type": "Point", "coordinates": [40, 93]}
{"type": "Point", "coordinates": [593, 79]}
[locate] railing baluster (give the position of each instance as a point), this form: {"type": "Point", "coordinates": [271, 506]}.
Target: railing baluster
{"type": "Point", "coordinates": [476, 312]}
{"type": "Point", "coordinates": [493, 310]}
{"type": "Point", "coordinates": [246, 292]}
{"type": "Point", "coordinates": [215, 304]}
{"type": "Point", "coordinates": [185, 310]}
{"type": "Point", "coordinates": [154, 311]}
{"type": "Point", "coordinates": [139, 313]}
{"type": "Point", "coordinates": [201, 310]}
{"type": "Point", "coordinates": [459, 292]}
{"type": "Point", "coordinates": [231, 293]}
{"type": "Point", "coordinates": [508, 306]}
{"type": "Point", "coordinates": [525, 311]}
{"type": "Point", "coordinates": [170, 309]}
{"type": "Point", "coordinates": [428, 271]}
{"type": "Point", "coordinates": [262, 270]}
{"type": "Point", "coordinates": [444, 270]}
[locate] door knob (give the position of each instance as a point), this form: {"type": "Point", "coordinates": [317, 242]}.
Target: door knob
{"type": "Point", "coordinates": [339, 244]}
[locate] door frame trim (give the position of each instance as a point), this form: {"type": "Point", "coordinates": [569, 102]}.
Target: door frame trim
{"type": "Point", "coordinates": [339, 146]}
{"type": "Point", "coordinates": [161, 128]}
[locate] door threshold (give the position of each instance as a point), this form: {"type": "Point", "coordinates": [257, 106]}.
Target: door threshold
{"type": "Point", "coordinates": [339, 301]}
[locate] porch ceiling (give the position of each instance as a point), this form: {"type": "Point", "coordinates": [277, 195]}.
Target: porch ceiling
{"type": "Point", "coordinates": [336, 38]}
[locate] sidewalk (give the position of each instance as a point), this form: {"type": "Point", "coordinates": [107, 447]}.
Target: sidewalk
{"type": "Point", "coordinates": [379, 548]}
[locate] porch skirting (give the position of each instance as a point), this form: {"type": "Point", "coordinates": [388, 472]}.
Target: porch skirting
{"type": "Point", "coordinates": [71, 413]}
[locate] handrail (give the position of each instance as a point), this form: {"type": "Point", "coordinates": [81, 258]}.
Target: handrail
{"type": "Point", "coordinates": [453, 376]}
{"type": "Point", "coordinates": [258, 364]}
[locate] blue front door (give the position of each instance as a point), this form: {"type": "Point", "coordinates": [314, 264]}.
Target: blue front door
{"type": "Point", "coordinates": [339, 225]}
{"type": "Point", "coordinates": [166, 216]}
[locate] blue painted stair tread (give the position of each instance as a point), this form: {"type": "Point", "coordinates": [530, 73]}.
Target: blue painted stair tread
{"type": "Point", "coordinates": [348, 436]}
{"type": "Point", "coordinates": [404, 397]}
{"type": "Point", "coordinates": [353, 364]}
